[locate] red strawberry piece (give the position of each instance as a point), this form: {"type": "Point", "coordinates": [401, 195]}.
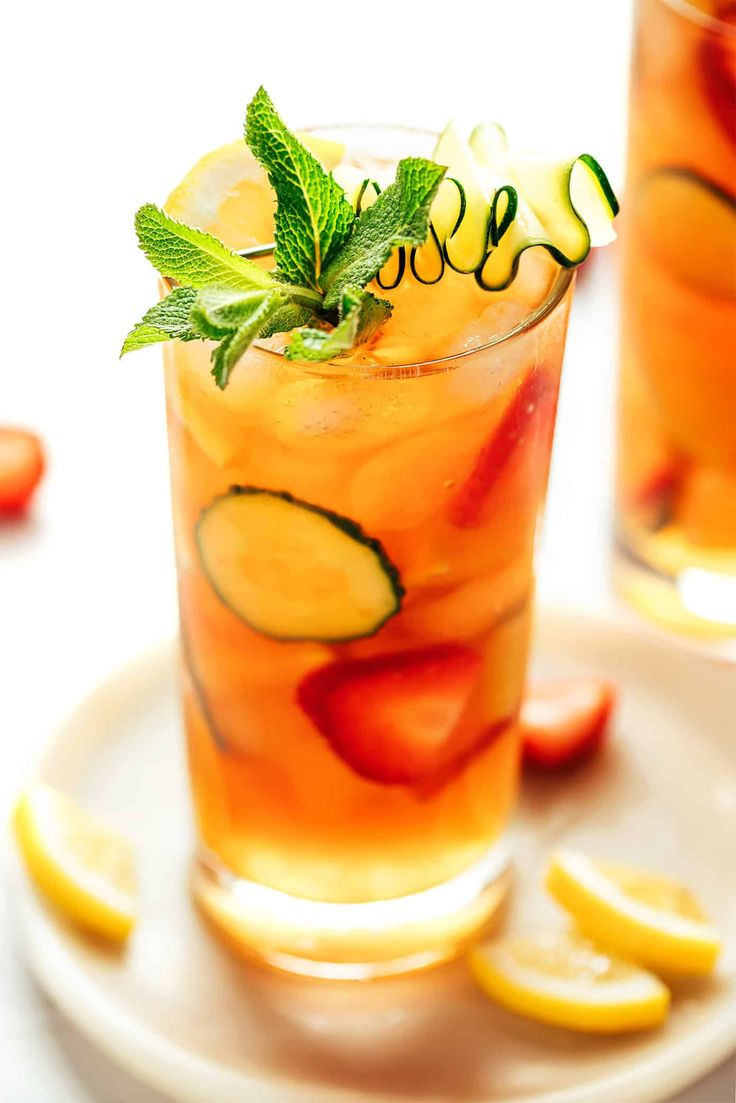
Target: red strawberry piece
{"type": "Point", "coordinates": [391, 717]}
{"type": "Point", "coordinates": [459, 755]}
{"type": "Point", "coordinates": [531, 411]}
{"type": "Point", "coordinates": [659, 487]}
{"type": "Point", "coordinates": [563, 721]}
{"type": "Point", "coordinates": [21, 467]}
{"type": "Point", "coordinates": [718, 67]}
{"type": "Point", "coordinates": [656, 496]}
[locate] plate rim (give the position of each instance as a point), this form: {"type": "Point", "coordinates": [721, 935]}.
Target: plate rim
{"type": "Point", "coordinates": [162, 1064]}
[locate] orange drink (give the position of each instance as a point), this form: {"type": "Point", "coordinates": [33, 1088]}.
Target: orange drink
{"type": "Point", "coordinates": [374, 768]}
{"type": "Point", "coordinates": [677, 443]}
{"type": "Point", "coordinates": [356, 498]}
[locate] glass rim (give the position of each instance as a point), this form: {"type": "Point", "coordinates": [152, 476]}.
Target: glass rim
{"type": "Point", "coordinates": [378, 370]}
{"type": "Point", "coordinates": [555, 294]}
{"type": "Point", "coordinates": [688, 10]}
{"type": "Point", "coordinates": [338, 367]}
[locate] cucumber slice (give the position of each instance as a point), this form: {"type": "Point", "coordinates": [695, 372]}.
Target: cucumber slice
{"type": "Point", "coordinates": [490, 146]}
{"type": "Point", "coordinates": [466, 243]}
{"type": "Point", "coordinates": [563, 208]}
{"type": "Point", "coordinates": [689, 223]}
{"type": "Point", "coordinates": [294, 571]}
{"type": "Point", "coordinates": [427, 262]}
{"type": "Point", "coordinates": [514, 229]}
{"type": "Point", "coordinates": [360, 190]}
{"type": "Point", "coordinates": [367, 195]}
{"type": "Point", "coordinates": [393, 270]}
{"type": "Point", "coordinates": [448, 208]}
{"type": "Point", "coordinates": [572, 200]}
{"type": "Point", "coordinates": [493, 205]}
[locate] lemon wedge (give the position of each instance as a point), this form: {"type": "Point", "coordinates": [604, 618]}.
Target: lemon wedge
{"type": "Point", "coordinates": [564, 980]}
{"type": "Point", "coordinates": [82, 867]}
{"type": "Point", "coordinates": [648, 919]}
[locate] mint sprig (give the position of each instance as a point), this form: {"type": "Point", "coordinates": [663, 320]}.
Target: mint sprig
{"type": "Point", "coordinates": [324, 255]}
{"type": "Point", "coordinates": [361, 315]}
{"type": "Point", "coordinates": [169, 320]}
{"type": "Point", "coordinates": [313, 217]}
{"type": "Point", "coordinates": [235, 319]}
{"type": "Point", "coordinates": [194, 257]}
{"type": "Point", "coordinates": [217, 311]}
{"type": "Point", "coordinates": [400, 216]}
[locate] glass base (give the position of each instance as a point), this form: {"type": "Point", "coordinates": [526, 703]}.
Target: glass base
{"type": "Point", "coordinates": [353, 941]}
{"type": "Point", "coordinates": [696, 600]}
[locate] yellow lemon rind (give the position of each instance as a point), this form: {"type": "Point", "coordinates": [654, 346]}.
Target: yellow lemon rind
{"type": "Point", "coordinates": [638, 1003]}
{"type": "Point", "coordinates": [602, 911]}
{"type": "Point", "coordinates": [113, 918]}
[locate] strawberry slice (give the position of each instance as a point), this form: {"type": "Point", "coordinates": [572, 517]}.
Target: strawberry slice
{"type": "Point", "coordinates": [563, 721]}
{"type": "Point", "coordinates": [391, 717]}
{"type": "Point", "coordinates": [655, 496]}
{"type": "Point", "coordinates": [658, 487]}
{"type": "Point", "coordinates": [21, 467]}
{"type": "Point", "coordinates": [718, 67]}
{"type": "Point", "coordinates": [531, 411]}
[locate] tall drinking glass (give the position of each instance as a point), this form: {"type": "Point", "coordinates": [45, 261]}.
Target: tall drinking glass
{"type": "Point", "coordinates": [676, 494]}
{"type": "Point", "coordinates": [355, 547]}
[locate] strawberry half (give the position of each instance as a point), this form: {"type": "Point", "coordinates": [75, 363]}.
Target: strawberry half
{"type": "Point", "coordinates": [656, 495]}
{"type": "Point", "coordinates": [531, 411]}
{"type": "Point", "coordinates": [391, 717]}
{"type": "Point", "coordinates": [21, 468]}
{"type": "Point", "coordinates": [718, 67]}
{"type": "Point", "coordinates": [563, 721]}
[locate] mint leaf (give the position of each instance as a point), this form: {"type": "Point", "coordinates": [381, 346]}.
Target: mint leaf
{"type": "Point", "coordinates": [373, 313]}
{"type": "Point", "coordinates": [235, 320]}
{"type": "Point", "coordinates": [313, 217]}
{"type": "Point", "coordinates": [168, 320]}
{"type": "Point", "coordinates": [287, 317]}
{"type": "Point", "coordinates": [325, 256]}
{"type": "Point", "coordinates": [193, 257]}
{"type": "Point", "coordinates": [361, 315]}
{"type": "Point", "coordinates": [217, 311]}
{"type": "Point", "coordinates": [400, 216]}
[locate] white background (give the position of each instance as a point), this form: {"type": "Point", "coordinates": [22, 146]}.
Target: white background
{"type": "Point", "coordinates": [107, 106]}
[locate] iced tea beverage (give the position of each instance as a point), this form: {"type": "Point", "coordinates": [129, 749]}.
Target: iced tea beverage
{"type": "Point", "coordinates": [361, 384]}
{"type": "Point", "coordinates": [676, 526]}
{"type": "Point", "coordinates": [352, 771]}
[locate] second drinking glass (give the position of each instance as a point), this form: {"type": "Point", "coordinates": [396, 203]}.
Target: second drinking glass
{"type": "Point", "coordinates": [676, 516]}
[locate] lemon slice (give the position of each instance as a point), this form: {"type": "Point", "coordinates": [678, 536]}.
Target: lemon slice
{"type": "Point", "coordinates": [225, 192]}
{"type": "Point", "coordinates": [646, 918]}
{"type": "Point", "coordinates": [565, 980]}
{"type": "Point", "coordinates": [86, 870]}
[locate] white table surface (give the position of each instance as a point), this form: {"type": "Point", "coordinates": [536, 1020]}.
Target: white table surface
{"type": "Point", "coordinates": [105, 108]}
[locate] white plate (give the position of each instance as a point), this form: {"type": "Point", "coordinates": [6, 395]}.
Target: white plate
{"type": "Point", "coordinates": [194, 1022]}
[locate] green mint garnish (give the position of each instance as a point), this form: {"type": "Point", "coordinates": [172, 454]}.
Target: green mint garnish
{"type": "Point", "coordinates": [313, 217]}
{"type": "Point", "coordinates": [324, 255]}
{"type": "Point", "coordinates": [169, 320]}
{"type": "Point", "coordinates": [361, 315]}
{"type": "Point", "coordinates": [288, 317]}
{"type": "Point", "coordinates": [400, 216]}
{"type": "Point", "coordinates": [235, 319]}
{"type": "Point", "coordinates": [193, 257]}
{"type": "Point", "coordinates": [217, 311]}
